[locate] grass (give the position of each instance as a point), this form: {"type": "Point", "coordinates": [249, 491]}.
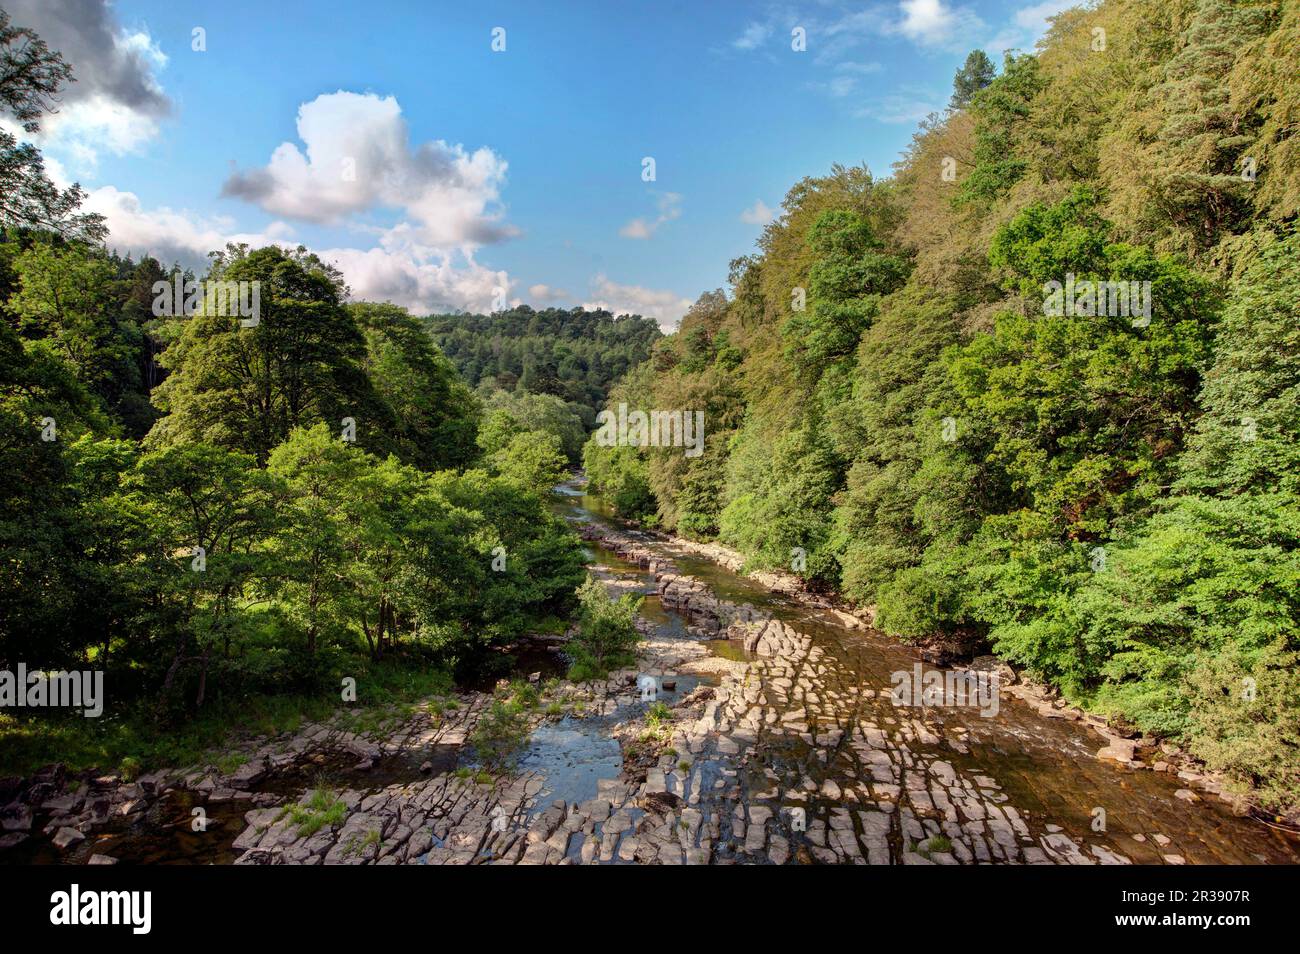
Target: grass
{"type": "Point", "coordinates": [322, 808]}
{"type": "Point", "coordinates": [355, 847]}
{"type": "Point", "coordinates": [133, 741]}
{"type": "Point", "coordinates": [935, 844]}
{"type": "Point", "coordinates": [503, 730]}
{"type": "Point", "coordinates": [657, 715]}
{"type": "Point", "coordinates": [229, 763]}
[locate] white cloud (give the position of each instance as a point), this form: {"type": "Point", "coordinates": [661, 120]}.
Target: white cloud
{"type": "Point", "coordinates": [1026, 27]}
{"type": "Point", "coordinates": [170, 235]}
{"type": "Point", "coordinates": [754, 36]}
{"type": "Point", "coordinates": [421, 279]}
{"type": "Point", "coordinates": [670, 207]}
{"type": "Point", "coordinates": [547, 293]}
{"type": "Point", "coordinates": [665, 307]}
{"type": "Point", "coordinates": [357, 156]}
{"type": "Point", "coordinates": [933, 23]}
{"type": "Point", "coordinates": [925, 21]}
{"type": "Point", "coordinates": [757, 214]}
{"type": "Point", "coordinates": [905, 106]}
{"type": "Point", "coordinates": [441, 282]}
{"type": "Point", "coordinates": [117, 101]}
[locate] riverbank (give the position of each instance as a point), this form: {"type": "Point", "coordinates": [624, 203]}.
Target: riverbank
{"type": "Point", "coordinates": [754, 729]}
{"type": "Point", "coordinates": [1174, 783]}
{"type": "Point", "coordinates": [1120, 742]}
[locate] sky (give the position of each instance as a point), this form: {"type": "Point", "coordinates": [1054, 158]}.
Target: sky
{"type": "Point", "coordinates": [476, 155]}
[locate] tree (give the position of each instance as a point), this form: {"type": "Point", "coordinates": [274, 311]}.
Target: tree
{"type": "Point", "coordinates": [247, 388]}
{"type": "Point", "coordinates": [1207, 593]}
{"type": "Point", "coordinates": [433, 412]}
{"type": "Point", "coordinates": [531, 460]}
{"type": "Point", "coordinates": [975, 74]}
{"type": "Point", "coordinates": [850, 271]}
{"type": "Point", "coordinates": [67, 299]}
{"type": "Point", "coordinates": [574, 355]}
{"type": "Point", "coordinates": [607, 635]}
{"type": "Point", "coordinates": [30, 76]}
{"type": "Point", "coordinates": [1001, 113]}
{"type": "Point", "coordinates": [207, 512]}
{"type": "Point", "coordinates": [315, 478]}
{"type": "Point", "coordinates": [511, 412]}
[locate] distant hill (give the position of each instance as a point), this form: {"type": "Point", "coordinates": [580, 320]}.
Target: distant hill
{"type": "Point", "coordinates": [574, 354]}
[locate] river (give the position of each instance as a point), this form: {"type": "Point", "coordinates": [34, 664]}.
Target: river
{"type": "Point", "coordinates": [782, 748]}
{"type": "Point", "coordinates": [1045, 770]}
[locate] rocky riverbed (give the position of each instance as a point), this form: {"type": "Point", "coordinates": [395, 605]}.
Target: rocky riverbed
{"type": "Point", "coordinates": [755, 729]}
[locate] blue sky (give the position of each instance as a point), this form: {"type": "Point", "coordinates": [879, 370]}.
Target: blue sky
{"type": "Point", "coordinates": [441, 174]}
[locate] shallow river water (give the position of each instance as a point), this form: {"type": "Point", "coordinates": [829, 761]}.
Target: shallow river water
{"type": "Point", "coordinates": [1046, 768]}
{"type": "Point", "coordinates": [813, 730]}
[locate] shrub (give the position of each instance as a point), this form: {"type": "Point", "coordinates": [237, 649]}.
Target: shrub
{"type": "Point", "coordinates": [501, 735]}
{"type": "Point", "coordinates": [607, 635]}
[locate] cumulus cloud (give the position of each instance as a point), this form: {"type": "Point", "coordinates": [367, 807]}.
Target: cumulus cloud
{"type": "Point", "coordinates": [925, 21]}
{"type": "Point", "coordinates": [670, 207]}
{"type": "Point", "coordinates": [117, 101]}
{"type": "Point", "coordinates": [170, 235]}
{"type": "Point", "coordinates": [665, 307]}
{"type": "Point", "coordinates": [440, 282]}
{"type": "Point", "coordinates": [547, 293]}
{"type": "Point", "coordinates": [357, 156]}
{"type": "Point", "coordinates": [757, 214]}
{"type": "Point", "coordinates": [421, 279]}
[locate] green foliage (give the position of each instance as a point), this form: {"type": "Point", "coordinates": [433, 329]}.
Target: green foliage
{"type": "Point", "coordinates": [850, 271]}
{"type": "Point", "coordinates": [975, 74]}
{"type": "Point", "coordinates": [1108, 501]}
{"type": "Point", "coordinates": [621, 476]}
{"type": "Point", "coordinates": [657, 715]}
{"type": "Point", "coordinates": [235, 553]}
{"type": "Point", "coordinates": [532, 460]}
{"type": "Point", "coordinates": [432, 413]}
{"type": "Point", "coordinates": [607, 635]}
{"type": "Point", "coordinates": [1001, 109]}
{"type": "Point", "coordinates": [321, 808]}
{"type": "Point", "coordinates": [246, 388]}
{"type": "Point", "coordinates": [501, 734]}
{"type": "Point", "coordinates": [31, 77]}
{"type": "Point", "coordinates": [1243, 722]}
{"type": "Point", "coordinates": [508, 413]}
{"type": "Point", "coordinates": [131, 732]}
{"type": "Point", "coordinates": [574, 355]}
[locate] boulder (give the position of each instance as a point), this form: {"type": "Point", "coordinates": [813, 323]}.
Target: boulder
{"type": "Point", "coordinates": [1119, 750]}
{"type": "Point", "coordinates": [66, 837]}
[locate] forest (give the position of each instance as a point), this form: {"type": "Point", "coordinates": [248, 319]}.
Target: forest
{"type": "Point", "coordinates": [1035, 393]}
{"type": "Point", "coordinates": [218, 512]}
{"type": "Point", "coordinates": [575, 354]}
{"type": "Point", "coordinates": [548, 370]}
{"type": "Point", "coordinates": [897, 411]}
